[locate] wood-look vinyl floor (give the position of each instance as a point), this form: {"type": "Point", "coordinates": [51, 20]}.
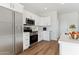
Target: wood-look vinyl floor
{"type": "Point", "coordinates": [43, 48]}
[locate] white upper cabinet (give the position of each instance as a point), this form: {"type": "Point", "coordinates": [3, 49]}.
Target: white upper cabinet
{"type": "Point", "coordinates": [37, 21]}
{"type": "Point", "coordinates": [27, 14]}
{"type": "Point", "coordinates": [44, 21]}
{"type": "Point", "coordinates": [17, 7]}
{"type": "Point", "coordinates": [7, 5]}
{"type": "Point", "coordinates": [13, 6]}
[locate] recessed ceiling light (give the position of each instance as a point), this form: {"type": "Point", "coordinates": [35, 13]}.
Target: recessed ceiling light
{"type": "Point", "coordinates": [45, 8]}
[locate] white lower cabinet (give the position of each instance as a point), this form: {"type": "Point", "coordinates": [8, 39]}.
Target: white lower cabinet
{"type": "Point", "coordinates": [39, 36]}
{"type": "Point", "coordinates": [67, 48]}
{"type": "Point", "coordinates": [26, 40]}
{"type": "Point", "coordinates": [46, 35]}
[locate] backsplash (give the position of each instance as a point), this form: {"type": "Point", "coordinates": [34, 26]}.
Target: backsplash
{"type": "Point", "coordinates": [34, 28]}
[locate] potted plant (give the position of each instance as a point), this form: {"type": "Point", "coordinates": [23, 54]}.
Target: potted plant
{"type": "Point", "coordinates": [72, 27]}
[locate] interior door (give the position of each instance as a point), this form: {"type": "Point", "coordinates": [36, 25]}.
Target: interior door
{"type": "Point", "coordinates": [6, 31]}
{"type": "Point", "coordinates": [18, 32]}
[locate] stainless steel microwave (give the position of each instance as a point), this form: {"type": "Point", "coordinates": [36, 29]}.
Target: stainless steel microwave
{"type": "Point", "coordinates": [30, 21]}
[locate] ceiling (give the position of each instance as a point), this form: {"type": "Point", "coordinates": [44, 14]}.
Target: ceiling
{"type": "Point", "coordinates": [39, 8]}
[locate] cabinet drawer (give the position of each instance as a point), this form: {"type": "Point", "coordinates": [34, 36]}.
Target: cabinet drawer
{"type": "Point", "coordinates": [26, 42]}
{"type": "Point", "coordinates": [25, 47]}
{"type": "Point", "coordinates": [26, 34]}
{"type": "Point", "coordinates": [25, 37]}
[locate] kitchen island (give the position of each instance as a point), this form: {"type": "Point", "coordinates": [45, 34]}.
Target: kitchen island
{"type": "Point", "coordinates": [68, 46]}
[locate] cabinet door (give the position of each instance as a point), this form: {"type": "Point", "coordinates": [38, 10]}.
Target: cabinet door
{"type": "Point", "coordinates": [6, 31]}
{"type": "Point", "coordinates": [18, 7]}
{"type": "Point", "coordinates": [40, 34]}
{"type": "Point", "coordinates": [47, 21]}
{"type": "Point", "coordinates": [26, 40]}
{"type": "Point", "coordinates": [6, 5]}
{"type": "Point", "coordinates": [44, 21]}
{"type": "Point", "coordinates": [13, 6]}
{"type": "Point", "coordinates": [18, 32]}
{"type": "Point", "coordinates": [37, 20]}
{"type": "Point", "coordinates": [46, 35]}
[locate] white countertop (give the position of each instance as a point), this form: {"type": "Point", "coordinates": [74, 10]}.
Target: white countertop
{"type": "Point", "coordinates": [65, 38]}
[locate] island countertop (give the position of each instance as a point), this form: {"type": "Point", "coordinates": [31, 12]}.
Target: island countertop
{"type": "Point", "coordinates": [66, 39]}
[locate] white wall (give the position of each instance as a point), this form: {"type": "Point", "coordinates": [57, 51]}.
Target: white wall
{"type": "Point", "coordinates": [54, 26]}
{"type": "Point", "coordinates": [66, 20]}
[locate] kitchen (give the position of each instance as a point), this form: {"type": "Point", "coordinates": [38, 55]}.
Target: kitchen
{"type": "Point", "coordinates": [39, 28]}
{"type": "Point", "coordinates": [35, 30]}
{"type": "Point", "coordinates": [23, 28]}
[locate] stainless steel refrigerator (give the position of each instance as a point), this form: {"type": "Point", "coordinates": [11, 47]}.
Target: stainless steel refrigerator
{"type": "Point", "coordinates": [11, 32]}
